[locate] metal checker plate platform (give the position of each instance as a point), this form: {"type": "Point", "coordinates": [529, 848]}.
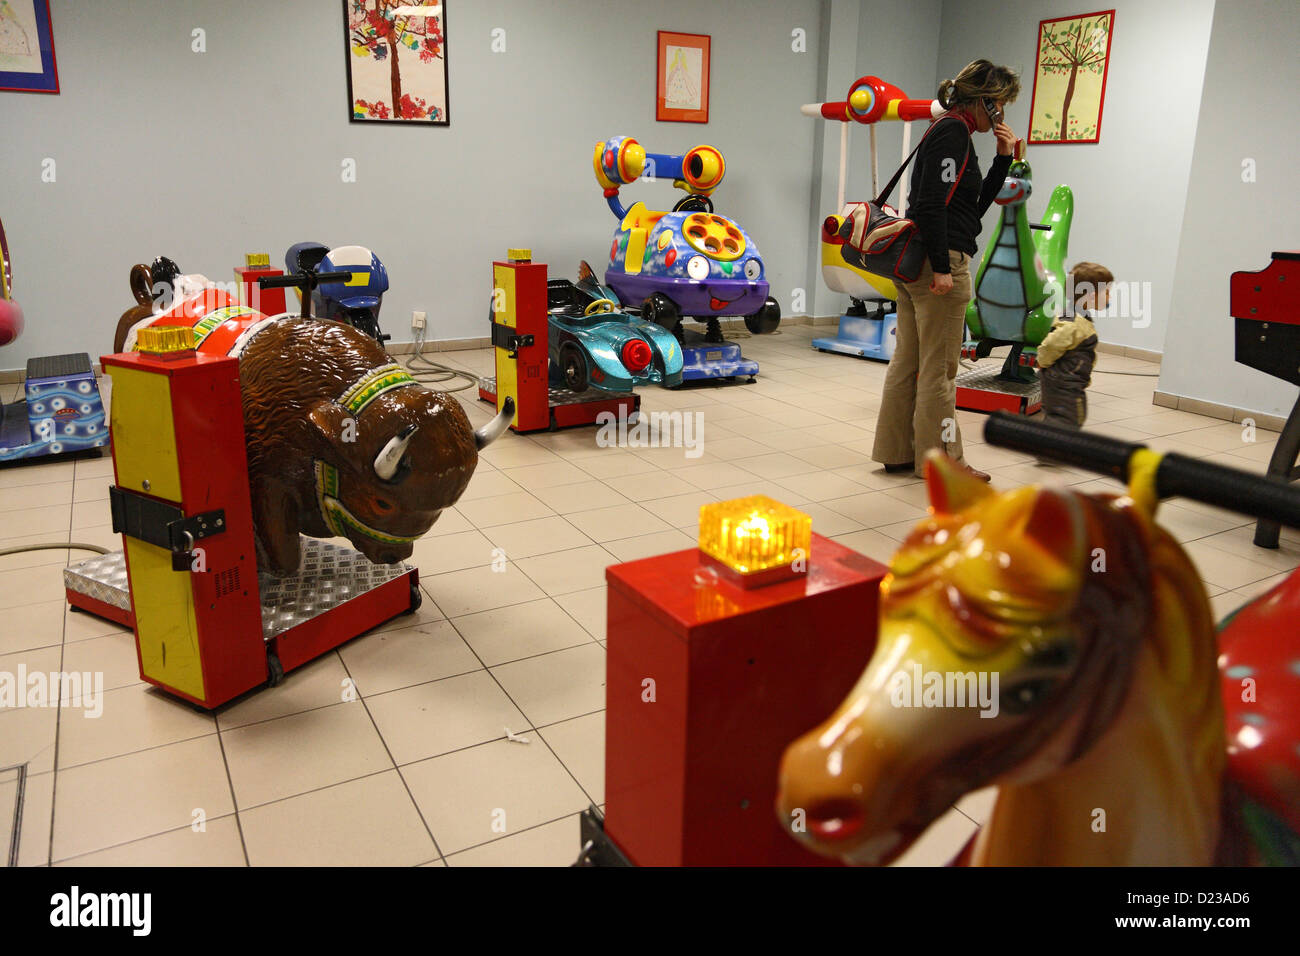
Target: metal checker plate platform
{"type": "Point", "coordinates": [988, 381]}
{"type": "Point", "coordinates": [560, 396]}
{"type": "Point", "coordinates": [102, 577]}
{"type": "Point", "coordinates": [328, 577]}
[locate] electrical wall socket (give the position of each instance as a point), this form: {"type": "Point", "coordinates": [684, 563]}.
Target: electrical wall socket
{"type": "Point", "coordinates": [417, 321]}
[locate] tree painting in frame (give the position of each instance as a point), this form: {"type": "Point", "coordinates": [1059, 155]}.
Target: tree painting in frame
{"type": "Point", "coordinates": [1070, 78]}
{"type": "Point", "coordinates": [397, 61]}
{"type": "Point", "coordinates": [27, 47]}
{"type": "Point", "coordinates": [682, 94]}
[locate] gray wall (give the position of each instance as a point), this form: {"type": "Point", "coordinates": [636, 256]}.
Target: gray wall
{"type": "Point", "coordinates": [1249, 111]}
{"type": "Point", "coordinates": [204, 157]}
{"type": "Point", "coordinates": [1131, 187]}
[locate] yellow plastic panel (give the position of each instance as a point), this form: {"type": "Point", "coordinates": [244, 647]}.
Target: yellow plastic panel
{"type": "Point", "coordinates": [144, 438]}
{"type": "Point", "coordinates": [165, 628]}
{"type": "Point", "coordinates": [635, 252]}
{"type": "Point", "coordinates": [503, 278]}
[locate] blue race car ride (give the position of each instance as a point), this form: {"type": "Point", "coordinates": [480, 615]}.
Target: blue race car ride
{"type": "Point", "coordinates": [593, 343]}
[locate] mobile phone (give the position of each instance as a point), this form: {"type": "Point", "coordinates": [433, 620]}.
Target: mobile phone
{"type": "Point", "coordinates": [995, 114]}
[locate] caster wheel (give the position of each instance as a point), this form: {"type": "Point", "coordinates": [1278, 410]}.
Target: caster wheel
{"type": "Point", "coordinates": [766, 319]}
{"type": "Point", "coordinates": [417, 598]}
{"type": "Point", "coordinates": [275, 670]}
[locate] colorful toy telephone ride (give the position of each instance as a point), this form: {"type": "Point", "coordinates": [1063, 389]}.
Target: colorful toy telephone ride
{"type": "Point", "coordinates": [688, 263]}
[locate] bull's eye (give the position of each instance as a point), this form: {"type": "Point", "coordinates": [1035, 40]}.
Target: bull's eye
{"type": "Point", "coordinates": [1020, 697]}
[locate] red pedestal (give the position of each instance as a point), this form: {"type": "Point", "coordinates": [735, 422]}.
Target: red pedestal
{"type": "Point", "coordinates": [266, 301]}
{"type": "Point", "coordinates": [735, 676]}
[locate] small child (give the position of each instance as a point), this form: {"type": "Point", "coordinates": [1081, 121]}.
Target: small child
{"type": "Point", "coordinates": [1068, 352]}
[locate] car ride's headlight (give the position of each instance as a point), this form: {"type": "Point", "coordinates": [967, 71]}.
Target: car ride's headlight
{"type": "Point", "coordinates": [698, 267]}
{"type": "Point", "coordinates": [753, 269]}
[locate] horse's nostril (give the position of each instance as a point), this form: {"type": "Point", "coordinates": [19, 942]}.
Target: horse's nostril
{"type": "Point", "coordinates": [835, 819]}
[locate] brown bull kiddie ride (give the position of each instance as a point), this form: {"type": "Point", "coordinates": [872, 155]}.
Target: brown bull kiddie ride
{"type": "Point", "coordinates": [237, 434]}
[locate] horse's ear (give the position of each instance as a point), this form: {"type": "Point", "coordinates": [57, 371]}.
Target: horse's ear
{"type": "Point", "coordinates": [952, 488]}
{"type": "Point", "coordinates": [1054, 525]}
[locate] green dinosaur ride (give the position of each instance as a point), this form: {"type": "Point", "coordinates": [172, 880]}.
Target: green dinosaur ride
{"type": "Point", "coordinates": [1020, 286]}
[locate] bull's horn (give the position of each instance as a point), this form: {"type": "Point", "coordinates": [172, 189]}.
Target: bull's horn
{"type": "Point", "coordinates": [493, 429]}
{"type": "Point", "coordinates": [390, 457]}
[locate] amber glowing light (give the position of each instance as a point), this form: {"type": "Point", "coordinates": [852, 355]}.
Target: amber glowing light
{"type": "Point", "coordinates": [165, 339]}
{"type": "Point", "coordinates": [755, 535]}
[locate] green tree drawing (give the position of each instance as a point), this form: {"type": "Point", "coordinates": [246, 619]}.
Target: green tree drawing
{"type": "Point", "coordinates": [1068, 47]}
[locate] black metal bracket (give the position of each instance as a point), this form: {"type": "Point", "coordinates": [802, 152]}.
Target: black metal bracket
{"type": "Point", "coordinates": [504, 337]}
{"type": "Point", "coordinates": [163, 525]}
{"type": "Point", "coordinates": [597, 848]}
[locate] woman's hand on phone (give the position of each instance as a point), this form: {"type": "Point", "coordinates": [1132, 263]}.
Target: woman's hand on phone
{"type": "Point", "coordinates": [941, 283]}
{"type": "Point", "coordinates": [1006, 139]}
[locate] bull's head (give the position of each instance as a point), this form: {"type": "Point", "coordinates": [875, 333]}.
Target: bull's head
{"type": "Point", "coordinates": [393, 468]}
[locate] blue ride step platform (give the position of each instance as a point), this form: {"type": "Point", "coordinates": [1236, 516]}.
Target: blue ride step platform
{"type": "Point", "coordinates": [62, 411]}
{"type": "Point", "coordinates": [716, 361]}
{"type": "Point", "coordinates": [713, 361]}
{"type": "Point", "coordinates": [863, 336]}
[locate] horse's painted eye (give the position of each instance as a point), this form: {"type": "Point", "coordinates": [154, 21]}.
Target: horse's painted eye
{"type": "Point", "coordinates": [1018, 698]}
{"type": "Point", "coordinates": [383, 505]}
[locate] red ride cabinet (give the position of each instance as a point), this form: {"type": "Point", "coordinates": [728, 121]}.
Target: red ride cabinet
{"type": "Point", "coordinates": [736, 675]}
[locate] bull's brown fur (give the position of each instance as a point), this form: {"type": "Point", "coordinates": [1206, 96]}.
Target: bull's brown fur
{"type": "Point", "coordinates": [291, 376]}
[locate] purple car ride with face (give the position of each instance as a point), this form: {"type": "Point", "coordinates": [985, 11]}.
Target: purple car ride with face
{"type": "Point", "coordinates": [690, 262]}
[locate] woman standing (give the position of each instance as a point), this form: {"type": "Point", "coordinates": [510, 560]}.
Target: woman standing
{"type": "Point", "coordinates": [947, 198]}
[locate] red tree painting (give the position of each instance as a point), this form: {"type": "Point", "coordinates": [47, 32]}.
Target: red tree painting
{"type": "Point", "coordinates": [379, 32]}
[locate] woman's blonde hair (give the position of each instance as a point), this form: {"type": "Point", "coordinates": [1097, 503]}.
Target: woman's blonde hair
{"type": "Point", "coordinates": [979, 80]}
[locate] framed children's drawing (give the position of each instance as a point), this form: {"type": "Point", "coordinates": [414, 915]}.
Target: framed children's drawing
{"type": "Point", "coordinates": [397, 61]}
{"type": "Point", "coordinates": [27, 47]}
{"type": "Point", "coordinates": [682, 79]}
{"type": "Point", "coordinates": [1070, 78]}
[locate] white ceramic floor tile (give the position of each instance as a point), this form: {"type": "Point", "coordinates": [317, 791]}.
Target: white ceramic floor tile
{"type": "Point", "coordinates": [111, 802]}
{"type": "Point", "coordinates": [580, 745]}
{"type": "Point", "coordinates": [388, 660]}
{"type": "Point", "coordinates": [565, 571]}
{"type": "Point", "coordinates": [125, 720]}
{"type": "Point", "coordinates": [279, 758]}
{"type": "Point", "coordinates": [214, 843]}
{"type": "Point", "coordinates": [588, 608]}
{"type": "Point", "coordinates": [622, 521]}
{"type": "Point", "coordinates": [556, 686]}
{"type": "Point", "coordinates": [479, 589]}
{"type": "Point", "coordinates": [518, 631]}
{"type": "Point", "coordinates": [484, 793]}
{"type": "Point", "coordinates": [441, 716]}
{"type": "Point", "coordinates": [551, 844]}
{"type": "Point", "coordinates": [371, 821]}
{"type": "Point", "coordinates": [503, 509]}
